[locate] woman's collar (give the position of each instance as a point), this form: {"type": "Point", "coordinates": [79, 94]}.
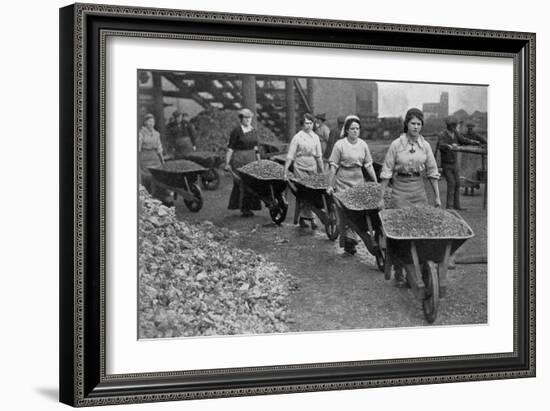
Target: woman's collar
{"type": "Point", "coordinates": [405, 140]}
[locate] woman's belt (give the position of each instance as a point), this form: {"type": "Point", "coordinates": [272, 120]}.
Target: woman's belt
{"type": "Point", "coordinates": [413, 174]}
{"type": "Point", "coordinates": [349, 166]}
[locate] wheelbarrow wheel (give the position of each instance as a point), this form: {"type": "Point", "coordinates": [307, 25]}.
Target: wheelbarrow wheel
{"type": "Point", "coordinates": [278, 211]}
{"type": "Point", "coordinates": [211, 179]}
{"type": "Point", "coordinates": [332, 225]}
{"type": "Point", "coordinates": [195, 204]}
{"type": "Point", "coordinates": [430, 304]}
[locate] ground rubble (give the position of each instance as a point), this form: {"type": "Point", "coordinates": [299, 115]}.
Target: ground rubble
{"type": "Point", "coordinates": [193, 283]}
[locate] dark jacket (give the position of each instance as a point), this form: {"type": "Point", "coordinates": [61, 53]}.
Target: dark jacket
{"type": "Point", "coordinates": [179, 130]}
{"type": "Point", "coordinates": [474, 136]}
{"type": "Point", "coordinates": [333, 137]}
{"type": "Point", "coordinates": [445, 141]}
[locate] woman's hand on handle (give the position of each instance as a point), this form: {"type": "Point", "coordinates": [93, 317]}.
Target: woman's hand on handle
{"type": "Point", "coordinates": [438, 202]}
{"type": "Point", "coordinates": [330, 190]}
{"type": "Point", "coordinates": [383, 185]}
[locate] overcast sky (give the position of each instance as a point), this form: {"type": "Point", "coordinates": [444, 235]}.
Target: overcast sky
{"type": "Point", "coordinates": [394, 99]}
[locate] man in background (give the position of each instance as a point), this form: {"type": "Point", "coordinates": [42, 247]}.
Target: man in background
{"type": "Point", "coordinates": [472, 135]}
{"type": "Point", "coordinates": [181, 135]}
{"type": "Point", "coordinates": [333, 137]}
{"type": "Point", "coordinates": [448, 140]}
{"type": "Point", "coordinates": [322, 130]}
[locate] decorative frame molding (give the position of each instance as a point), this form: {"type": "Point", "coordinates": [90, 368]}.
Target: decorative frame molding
{"type": "Point", "coordinates": [83, 32]}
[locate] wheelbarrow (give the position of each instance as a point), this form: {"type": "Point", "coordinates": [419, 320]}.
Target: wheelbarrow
{"type": "Point", "coordinates": [210, 180]}
{"type": "Point", "coordinates": [279, 158]}
{"type": "Point", "coordinates": [268, 149]}
{"type": "Point", "coordinates": [366, 224]}
{"type": "Point", "coordinates": [180, 177]}
{"type": "Point", "coordinates": [425, 260]}
{"type": "Point", "coordinates": [321, 203]}
{"type": "Point", "coordinates": [270, 192]}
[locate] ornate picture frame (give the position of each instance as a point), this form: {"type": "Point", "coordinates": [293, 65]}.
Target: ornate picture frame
{"type": "Point", "coordinates": [84, 30]}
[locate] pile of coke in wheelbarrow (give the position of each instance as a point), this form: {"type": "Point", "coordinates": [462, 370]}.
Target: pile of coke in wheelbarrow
{"type": "Point", "coordinates": [424, 222]}
{"type": "Point", "coordinates": [181, 166]}
{"type": "Point", "coordinates": [314, 181]}
{"type": "Point", "coordinates": [419, 243]}
{"type": "Point", "coordinates": [210, 179]}
{"type": "Point", "coordinates": [265, 179]}
{"type": "Point", "coordinates": [311, 190]}
{"type": "Point", "coordinates": [263, 170]}
{"type": "Point", "coordinates": [365, 197]}
{"type": "Point", "coordinates": [180, 177]}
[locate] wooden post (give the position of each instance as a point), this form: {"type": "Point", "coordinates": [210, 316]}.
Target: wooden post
{"type": "Point", "coordinates": [249, 93]}
{"type": "Point", "coordinates": [310, 93]}
{"type": "Point", "coordinates": [158, 106]}
{"type": "Point", "coordinates": [290, 108]}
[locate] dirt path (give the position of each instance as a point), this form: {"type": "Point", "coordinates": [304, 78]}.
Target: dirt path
{"type": "Point", "coordinates": [342, 292]}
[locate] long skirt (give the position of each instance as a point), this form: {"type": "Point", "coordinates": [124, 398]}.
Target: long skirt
{"type": "Point", "coordinates": [240, 198]}
{"type": "Point", "coordinates": [304, 166]}
{"type": "Point", "coordinates": [346, 178]}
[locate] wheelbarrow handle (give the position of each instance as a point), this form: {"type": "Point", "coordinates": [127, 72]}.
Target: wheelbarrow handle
{"type": "Point", "coordinates": [292, 186]}
{"type": "Point", "coordinates": [234, 175]}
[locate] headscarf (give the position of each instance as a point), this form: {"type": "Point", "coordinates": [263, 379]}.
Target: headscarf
{"type": "Point", "coordinates": [351, 116]}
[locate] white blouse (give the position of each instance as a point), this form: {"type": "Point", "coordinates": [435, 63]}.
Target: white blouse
{"type": "Point", "coordinates": [349, 155]}
{"type": "Point", "coordinates": [406, 156]}
{"type": "Point", "coordinates": [304, 145]}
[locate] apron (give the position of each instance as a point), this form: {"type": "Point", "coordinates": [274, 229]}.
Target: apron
{"type": "Point", "coordinates": [147, 158]}
{"type": "Point", "coordinates": [240, 198]}
{"type": "Point", "coordinates": [347, 177]}
{"type": "Point", "coordinates": [407, 191]}
{"type": "Point", "coordinates": [183, 146]}
{"type": "Point", "coordinates": [304, 166]}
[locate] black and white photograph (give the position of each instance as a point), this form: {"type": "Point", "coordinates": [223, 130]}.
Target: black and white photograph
{"type": "Point", "coordinates": [277, 204]}
{"type": "Point", "coordinates": [260, 204]}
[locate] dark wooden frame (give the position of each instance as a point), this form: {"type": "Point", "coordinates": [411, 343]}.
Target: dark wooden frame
{"type": "Point", "coordinates": [83, 29]}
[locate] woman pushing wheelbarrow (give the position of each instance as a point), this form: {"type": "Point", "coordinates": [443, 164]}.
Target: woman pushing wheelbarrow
{"type": "Point", "coordinates": [349, 156]}
{"type": "Point", "coordinates": [408, 161]}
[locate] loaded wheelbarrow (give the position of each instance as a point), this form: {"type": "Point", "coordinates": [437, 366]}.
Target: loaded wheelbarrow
{"type": "Point", "coordinates": [210, 179]}
{"type": "Point", "coordinates": [270, 191]}
{"type": "Point", "coordinates": [180, 177]}
{"type": "Point", "coordinates": [425, 257]}
{"type": "Point", "coordinates": [321, 203]}
{"type": "Point", "coordinates": [363, 219]}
